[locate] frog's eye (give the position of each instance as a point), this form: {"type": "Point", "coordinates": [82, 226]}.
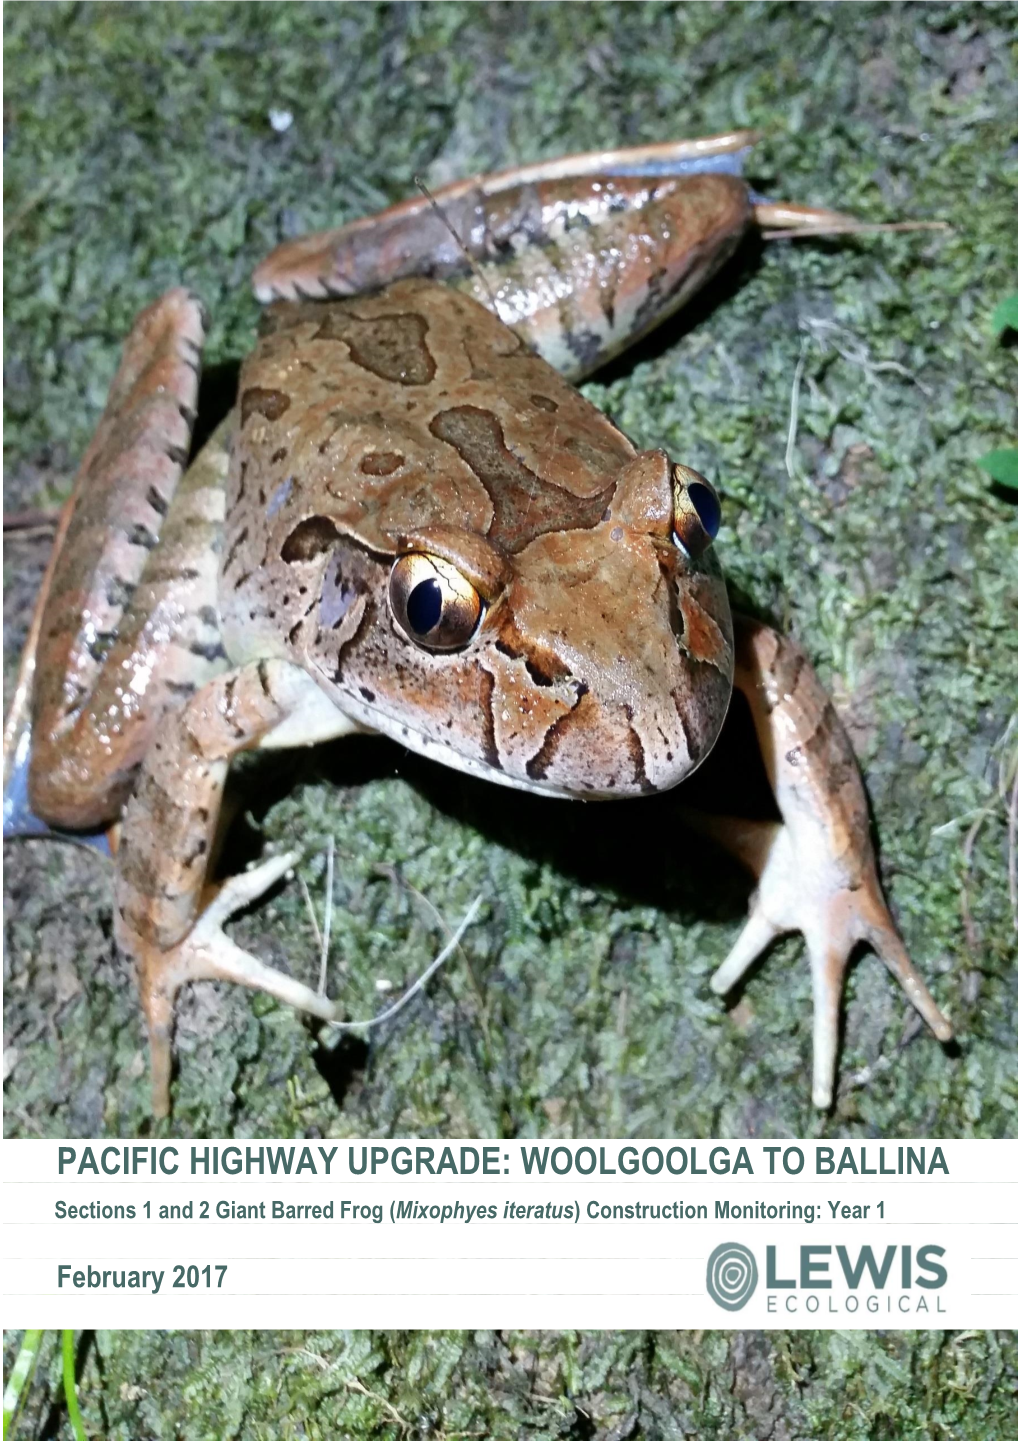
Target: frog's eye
{"type": "Point", "coordinates": [433, 603]}
{"type": "Point", "coordinates": [696, 511]}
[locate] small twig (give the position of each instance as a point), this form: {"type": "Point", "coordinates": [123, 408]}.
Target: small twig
{"type": "Point", "coordinates": [356, 1386]}
{"type": "Point", "coordinates": [472, 262]}
{"type": "Point", "coordinates": [311, 910]}
{"type": "Point", "coordinates": [791, 430]}
{"type": "Point", "coordinates": [393, 874]}
{"type": "Point", "coordinates": [422, 981]}
{"type": "Point", "coordinates": [858, 354]}
{"type": "Point", "coordinates": [327, 918]}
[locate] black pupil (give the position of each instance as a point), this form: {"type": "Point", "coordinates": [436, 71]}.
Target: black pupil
{"type": "Point", "coordinates": [706, 503]}
{"type": "Point", "coordinates": [424, 607]}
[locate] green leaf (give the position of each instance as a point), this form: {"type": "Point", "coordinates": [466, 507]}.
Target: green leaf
{"type": "Point", "coordinates": [1004, 315]}
{"type": "Point", "coordinates": [1001, 466]}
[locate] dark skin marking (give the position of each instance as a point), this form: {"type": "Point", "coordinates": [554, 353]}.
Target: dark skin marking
{"type": "Point", "coordinates": [309, 539]}
{"type": "Point", "coordinates": [258, 401]}
{"type": "Point", "coordinates": [693, 750]}
{"type": "Point", "coordinates": [156, 501]}
{"type": "Point", "coordinates": [118, 592]}
{"type": "Point", "coordinates": [655, 295]}
{"type": "Point", "coordinates": [238, 543]}
{"type": "Point", "coordinates": [637, 754]}
{"type": "Point", "coordinates": [786, 672]}
{"type": "Point", "coordinates": [390, 346]}
{"type": "Point", "coordinates": [381, 463]}
{"type": "Point", "coordinates": [524, 506]}
{"type": "Point", "coordinates": [198, 849]}
{"type": "Point", "coordinates": [538, 767]}
{"type": "Point", "coordinates": [277, 456]}
{"type": "Point", "coordinates": [141, 536]}
{"type": "Point", "coordinates": [208, 650]}
{"type": "Point", "coordinates": [490, 751]}
{"type": "Point", "coordinates": [828, 747]}
{"type": "Point", "coordinates": [99, 648]}
{"type": "Point", "coordinates": [170, 573]}
{"type": "Point", "coordinates": [352, 641]}
{"type": "Point", "coordinates": [586, 345]}
{"type": "Point", "coordinates": [538, 676]}
{"type": "Point", "coordinates": [138, 871]}
{"type": "Point", "coordinates": [539, 663]}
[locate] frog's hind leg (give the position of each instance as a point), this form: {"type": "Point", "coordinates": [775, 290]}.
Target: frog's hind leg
{"type": "Point", "coordinates": [579, 255]}
{"type": "Point", "coordinates": [170, 825]}
{"type": "Point", "coordinates": [439, 232]}
{"type": "Point", "coordinates": [128, 627]}
{"type": "Point", "coordinates": [816, 871]}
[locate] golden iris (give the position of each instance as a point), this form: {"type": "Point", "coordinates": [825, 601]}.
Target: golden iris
{"type": "Point", "coordinates": [697, 511]}
{"type": "Point", "coordinates": [433, 603]}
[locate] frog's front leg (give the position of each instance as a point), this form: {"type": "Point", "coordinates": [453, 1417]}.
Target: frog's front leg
{"type": "Point", "coordinates": [168, 834]}
{"type": "Point", "coordinates": [816, 872]}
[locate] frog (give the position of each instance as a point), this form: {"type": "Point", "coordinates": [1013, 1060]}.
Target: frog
{"type": "Point", "coordinates": [412, 523]}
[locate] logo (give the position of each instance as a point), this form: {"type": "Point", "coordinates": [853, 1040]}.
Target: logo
{"type": "Point", "coordinates": [732, 1276]}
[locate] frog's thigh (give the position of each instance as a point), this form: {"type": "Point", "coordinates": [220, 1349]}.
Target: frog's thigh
{"type": "Point", "coordinates": [169, 826]}
{"type": "Point", "coordinates": [128, 626]}
{"type": "Point", "coordinates": [816, 873]}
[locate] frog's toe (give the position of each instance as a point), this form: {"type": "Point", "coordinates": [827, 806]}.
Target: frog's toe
{"type": "Point", "coordinates": [811, 895]}
{"type": "Point", "coordinates": [208, 954]}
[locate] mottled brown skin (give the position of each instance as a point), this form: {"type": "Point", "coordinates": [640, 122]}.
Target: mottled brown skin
{"type": "Point", "coordinates": [525, 252]}
{"type": "Point", "coordinates": [93, 708]}
{"type": "Point", "coordinates": [259, 599]}
{"type": "Point", "coordinates": [603, 664]}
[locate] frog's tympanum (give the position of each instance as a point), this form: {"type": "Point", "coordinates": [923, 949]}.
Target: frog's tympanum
{"type": "Point", "coordinates": [411, 523]}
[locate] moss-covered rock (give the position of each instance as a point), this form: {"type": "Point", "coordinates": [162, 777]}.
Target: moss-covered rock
{"type": "Point", "coordinates": [256, 1385]}
{"type": "Point", "coordinates": [838, 392]}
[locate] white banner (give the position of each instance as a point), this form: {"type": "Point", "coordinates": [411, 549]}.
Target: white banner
{"type": "Point", "coordinates": [510, 1234]}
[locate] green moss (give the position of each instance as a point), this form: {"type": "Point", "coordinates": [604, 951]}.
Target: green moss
{"type": "Point", "coordinates": [580, 1002]}
{"type": "Point", "coordinates": [256, 1385]}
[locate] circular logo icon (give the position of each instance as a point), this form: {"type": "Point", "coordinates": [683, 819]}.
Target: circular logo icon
{"type": "Point", "coordinates": [732, 1276]}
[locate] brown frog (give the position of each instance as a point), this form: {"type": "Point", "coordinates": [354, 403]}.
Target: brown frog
{"type": "Point", "coordinates": [411, 523]}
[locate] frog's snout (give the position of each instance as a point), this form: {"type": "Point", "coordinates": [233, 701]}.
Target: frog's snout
{"type": "Point", "coordinates": [612, 665]}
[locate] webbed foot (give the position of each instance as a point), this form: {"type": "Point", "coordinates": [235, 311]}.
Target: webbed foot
{"type": "Point", "coordinates": [802, 888]}
{"type": "Point", "coordinates": [816, 871]}
{"type": "Point", "coordinates": [207, 954]}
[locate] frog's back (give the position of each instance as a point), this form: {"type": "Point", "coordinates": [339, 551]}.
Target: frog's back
{"type": "Point", "coordinates": [377, 416]}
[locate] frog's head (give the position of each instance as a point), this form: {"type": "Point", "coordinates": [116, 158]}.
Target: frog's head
{"type": "Point", "coordinates": [586, 659]}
